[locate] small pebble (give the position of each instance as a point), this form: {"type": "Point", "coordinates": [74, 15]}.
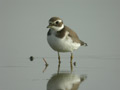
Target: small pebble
{"type": "Point", "coordinates": [74, 63]}
{"type": "Point", "coordinates": [31, 58]}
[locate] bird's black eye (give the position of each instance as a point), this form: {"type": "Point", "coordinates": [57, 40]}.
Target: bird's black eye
{"type": "Point", "coordinates": [57, 22]}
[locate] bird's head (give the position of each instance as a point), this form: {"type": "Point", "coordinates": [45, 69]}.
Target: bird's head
{"type": "Point", "coordinates": [56, 24]}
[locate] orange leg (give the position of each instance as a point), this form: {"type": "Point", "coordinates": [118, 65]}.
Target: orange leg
{"type": "Point", "coordinates": [59, 57]}
{"type": "Point", "coordinates": [71, 58]}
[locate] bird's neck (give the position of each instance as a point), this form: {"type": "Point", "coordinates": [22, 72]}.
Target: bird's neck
{"type": "Point", "coordinates": [59, 28]}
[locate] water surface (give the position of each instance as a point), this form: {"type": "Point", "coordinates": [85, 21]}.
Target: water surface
{"type": "Point", "coordinates": [101, 72]}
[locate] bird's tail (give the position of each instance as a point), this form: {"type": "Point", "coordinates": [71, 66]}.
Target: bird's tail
{"type": "Point", "coordinates": [83, 77]}
{"type": "Point", "coordinates": [83, 43]}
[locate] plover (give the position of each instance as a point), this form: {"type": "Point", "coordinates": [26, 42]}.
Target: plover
{"type": "Point", "coordinates": [65, 81]}
{"type": "Point", "coordinates": [61, 38]}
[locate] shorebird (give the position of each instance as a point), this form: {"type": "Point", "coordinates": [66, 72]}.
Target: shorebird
{"type": "Point", "coordinates": [61, 38]}
{"type": "Point", "coordinates": [65, 81]}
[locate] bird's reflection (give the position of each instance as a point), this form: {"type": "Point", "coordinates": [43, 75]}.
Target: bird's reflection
{"type": "Point", "coordinates": [65, 80]}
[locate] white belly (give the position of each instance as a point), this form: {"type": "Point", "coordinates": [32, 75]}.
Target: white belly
{"type": "Point", "coordinates": [64, 44]}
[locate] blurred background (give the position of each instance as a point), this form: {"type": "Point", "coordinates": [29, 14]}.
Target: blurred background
{"type": "Point", "coordinates": [23, 33]}
{"type": "Point", "coordinates": [23, 25]}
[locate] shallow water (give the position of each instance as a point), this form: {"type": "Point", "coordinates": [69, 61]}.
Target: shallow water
{"type": "Point", "coordinates": [101, 72]}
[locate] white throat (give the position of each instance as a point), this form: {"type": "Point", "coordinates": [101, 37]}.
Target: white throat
{"type": "Point", "coordinates": [58, 28]}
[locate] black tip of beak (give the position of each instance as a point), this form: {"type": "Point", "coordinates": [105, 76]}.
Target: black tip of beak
{"type": "Point", "coordinates": [47, 26]}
